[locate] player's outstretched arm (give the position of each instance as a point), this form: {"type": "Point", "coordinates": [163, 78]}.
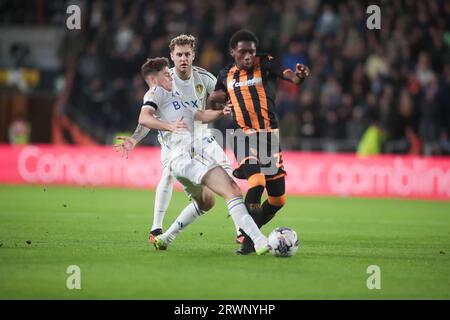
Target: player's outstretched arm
{"type": "Point", "coordinates": [127, 144]}
{"type": "Point", "coordinates": [207, 116]}
{"type": "Point", "coordinates": [298, 76]}
{"type": "Point", "coordinates": [125, 147]}
{"type": "Point", "coordinates": [139, 133]}
{"type": "Point", "coordinates": [148, 120]}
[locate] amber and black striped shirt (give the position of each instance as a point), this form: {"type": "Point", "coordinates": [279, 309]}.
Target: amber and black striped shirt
{"type": "Point", "coordinates": [252, 92]}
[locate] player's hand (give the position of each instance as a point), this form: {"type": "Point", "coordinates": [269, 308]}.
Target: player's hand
{"type": "Point", "coordinates": [178, 125]}
{"type": "Point", "coordinates": [125, 147]}
{"type": "Point", "coordinates": [302, 71]}
{"type": "Point", "coordinates": [227, 108]}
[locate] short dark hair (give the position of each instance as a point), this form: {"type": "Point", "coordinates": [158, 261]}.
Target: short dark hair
{"type": "Point", "coordinates": [154, 65]}
{"type": "Point", "coordinates": [243, 35]}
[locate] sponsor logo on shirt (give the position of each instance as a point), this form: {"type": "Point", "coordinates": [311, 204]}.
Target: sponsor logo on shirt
{"type": "Point", "coordinates": [249, 83]}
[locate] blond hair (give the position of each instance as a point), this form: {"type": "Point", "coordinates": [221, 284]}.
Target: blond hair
{"type": "Point", "coordinates": [182, 40]}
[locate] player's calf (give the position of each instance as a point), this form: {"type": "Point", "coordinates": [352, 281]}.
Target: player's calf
{"type": "Point", "coordinates": [206, 200]}
{"type": "Point", "coordinates": [219, 182]}
{"type": "Point", "coordinates": [270, 207]}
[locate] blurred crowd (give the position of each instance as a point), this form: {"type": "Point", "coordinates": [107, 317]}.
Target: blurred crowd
{"type": "Point", "coordinates": [396, 79]}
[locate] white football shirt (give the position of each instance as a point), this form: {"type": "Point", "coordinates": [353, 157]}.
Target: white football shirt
{"type": "Point", "coordinates": [168, 107]}
{"type": "Point", "coordinates": [194, 93]}
{"type": "Point", "coordinates": [196, 89]}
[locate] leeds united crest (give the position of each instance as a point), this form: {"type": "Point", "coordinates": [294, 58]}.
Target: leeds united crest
{"type": "Point", "coordinates": [199, 89]}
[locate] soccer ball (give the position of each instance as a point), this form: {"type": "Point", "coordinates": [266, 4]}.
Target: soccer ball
{"type": "Point", "coordinates": [283, 242]}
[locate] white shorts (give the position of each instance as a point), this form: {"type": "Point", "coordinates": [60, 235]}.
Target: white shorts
{"type": "Point", "coordinates": [189, 170]}
{"type": "Point", "coordinates": [211, 147]}
{"type": "Point", "coordinates": [165, 157]}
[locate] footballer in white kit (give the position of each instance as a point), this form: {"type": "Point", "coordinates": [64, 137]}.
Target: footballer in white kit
{"type": "Point", "coordinates": [193, 93]}
{"type": "Point", "coordinates": [193, 85]}
{"type": "Point", "coordinates": [183, 154]}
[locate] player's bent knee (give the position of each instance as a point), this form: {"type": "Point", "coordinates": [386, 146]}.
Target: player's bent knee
{"type": "Point", "coordinates": [207, 204]}
{"type": "Point", "coordinates": [206, 200]}
{"type": "Point", "coordinates": [277, 201]}
{"type": "Point", "coordinates": [256, 180]}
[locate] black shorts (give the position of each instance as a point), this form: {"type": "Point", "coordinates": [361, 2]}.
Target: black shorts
{"type": "Point", "coordinates": [261, 148]}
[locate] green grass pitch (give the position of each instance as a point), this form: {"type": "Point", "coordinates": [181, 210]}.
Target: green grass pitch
{"type": "Point", "coordinates": [43, 230]}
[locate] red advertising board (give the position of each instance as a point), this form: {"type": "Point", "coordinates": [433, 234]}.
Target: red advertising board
{"type": "Point", "coordinates": [308, 173]}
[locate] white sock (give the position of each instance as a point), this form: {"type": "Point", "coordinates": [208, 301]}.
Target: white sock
{"type": "Point", "coordinates": [238, 232]}
{"type": "Point", "coordinates": [162, 198]}
{"type": "Point", "coordinates": [229, 170]}
{"type": "Point", "coordinates": [186, 217]}
{"type": "Point", "coordinates": [238, 212]}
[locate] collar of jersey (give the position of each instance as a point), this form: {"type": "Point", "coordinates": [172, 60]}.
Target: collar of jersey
{"type": "Point", "coordinates": [183, 81]}
{"type": "Point", "coordinates": [164, 89]}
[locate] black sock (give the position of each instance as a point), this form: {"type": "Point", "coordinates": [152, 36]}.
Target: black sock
{"type": "Point", "coordinates": [253, 197]}
{"type": "Point", "coordinates": [253, 202]}
{"type": "Point", "coordinates": [268, 211]}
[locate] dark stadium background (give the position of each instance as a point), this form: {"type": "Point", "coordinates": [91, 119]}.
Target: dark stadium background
{"type": "Point", "coordinates": [396, 78]}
